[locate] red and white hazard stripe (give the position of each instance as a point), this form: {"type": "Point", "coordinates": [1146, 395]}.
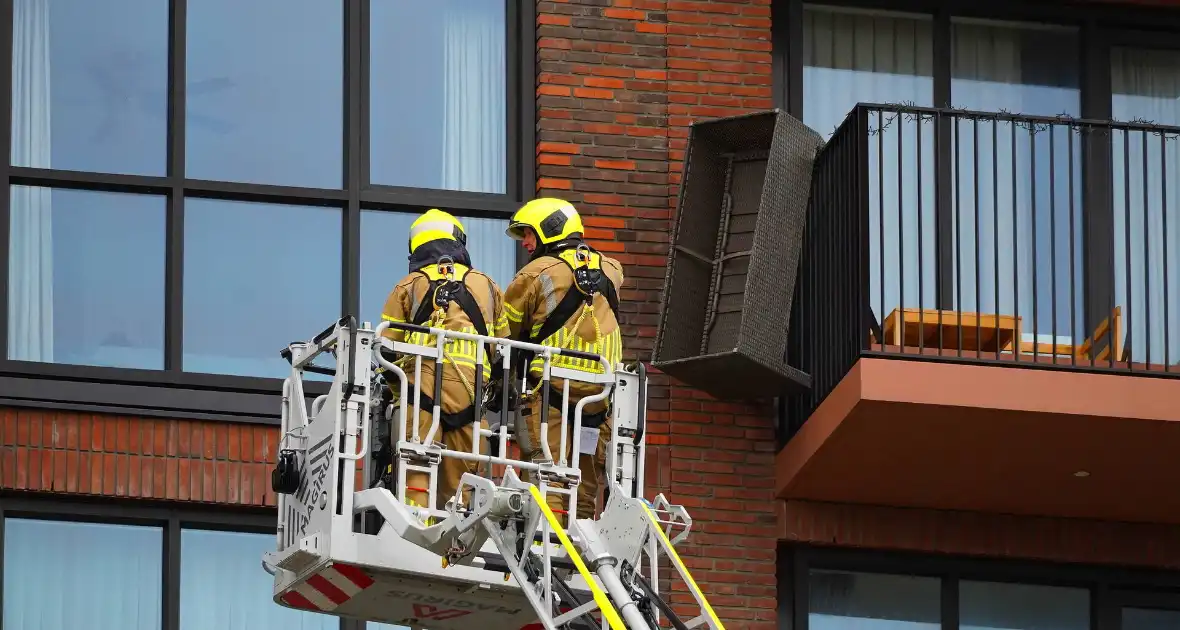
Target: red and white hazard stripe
{"type": "Point", "coordinates": [328, 589]}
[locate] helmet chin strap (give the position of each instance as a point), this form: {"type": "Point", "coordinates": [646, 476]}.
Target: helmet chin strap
{"type": "Point", "coordinates": [544, 249]}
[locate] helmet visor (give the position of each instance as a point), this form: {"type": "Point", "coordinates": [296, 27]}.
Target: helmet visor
{"type": "Point", "coordinates": [516, 230]}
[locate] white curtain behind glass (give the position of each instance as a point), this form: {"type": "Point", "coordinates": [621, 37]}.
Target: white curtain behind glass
{"type": "Point", "coordinates": [82, 575]}
{"type": "Point", "coordinates": [1146, 86]}
{"type": "Point", "coordinates": [855, 56]}
{"type": "Point", "coordinates": [221, 587]}
{"type": "Point", "coordinates": [473, 100]}
{"type": "Point", "coordinates": [30, 293]}
{"type": "Point", "coordinates": [991, 73]}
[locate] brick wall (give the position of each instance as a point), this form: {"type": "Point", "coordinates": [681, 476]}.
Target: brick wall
{"type": "Point", "coordinates": [117, 456]}
{"type": "Point", "coordinates": [619, 81]}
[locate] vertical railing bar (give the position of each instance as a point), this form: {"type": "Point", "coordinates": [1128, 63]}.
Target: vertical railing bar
{"type": "Point", "coordinates": [901, 301]}
{"type": "Point", "coordinates": [957, 222]}
{"type": "Point", "coordinates": [824, 272]}
{"type": "Point", "coordinates": [921, 242]}
{"type": "Point", "coordinates": [848, 316]}
{"type": "Point", "coordinates": [1073, 313]}
{"type": "Point", "coordinates": [1127, 238]}
{"type": "Point", "coordinates": [1146, 263]}
{"type": "Point", "coordinates": [1087, 140]}
{"type": "Point", "coordinates": [1032, 171]}
{"type": "Point", "coordinates": [829, 304]}
{"type": "Point", "coordinates": [854, 316]}
{"type": "Point", "coordinates": [849, 211]}
{"type": "Point", "coordinates": [1053, 237]}
{"type": "Point", "coordinates": [1164, 234]}
{"type": "Point", "coordinates": [1015, 249]}
{"type": "Point", "coordinates": [858, 158]}
{"type": "Point", "coordinates": [830, 272]}
{"type": "Point", "coordinates": [854, 309]}
{"type": "Point", "coordinates": [996, 227]}
{"type": "Point", "coordinates": [881, 224]}
{"type": "Point", "coordinates": [939, 215]}
{"type": "Point", "coordinates": [1110, 359]}
{"type": "Point", "coordinates": [847, 215]}
{"type": "Point", "coordinates": [975, 208]}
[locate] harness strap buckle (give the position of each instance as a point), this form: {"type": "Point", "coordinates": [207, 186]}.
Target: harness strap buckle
{"type": "Point", "coordinates": [446, 268]}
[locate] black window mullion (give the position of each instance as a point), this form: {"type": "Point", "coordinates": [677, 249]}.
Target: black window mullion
{"type": "Point", "coordinates": [801, 586]}
{"type": "Point", "coordinates": [171, 575]}
{"type": "Point", "coordinates": [354, 163]}
{"type": "Point", "coordinates": [784, 568]}
{"type": "Point", "coordinates": [1097, 202]}
{"type": "Point", "coordinates": [944, 163]}
{"type": "Point", "coordinates": [513, 149]}
{"type": "Point", "coordinates": [8, 4]}
{"type": "Point", "coordinates": [1104, 609]}
{"type": "Point", "coordinates": [174, 251]}
{"type": "Point", "coordinates": [794, 59]}
{"type": "Point", "coordinates": [363, 33]}
{"type": "Point", "coordinates": [527, 45]}
{"type": "Point", "coordinates": [950, 602]}
{"type": "Point", "coordinates": [6, 143]}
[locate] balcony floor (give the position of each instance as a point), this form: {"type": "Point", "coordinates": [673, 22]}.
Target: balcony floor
{"type": "Point", "coordinates": [912, 433]}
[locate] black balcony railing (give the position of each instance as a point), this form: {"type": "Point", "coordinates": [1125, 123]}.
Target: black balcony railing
{"type": "Point", "coordinates": [970, 236]}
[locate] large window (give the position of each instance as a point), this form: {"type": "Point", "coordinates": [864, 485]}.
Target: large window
{"type": "Point", "coordinates": [998, 605]}
{"type": "Point", "coordinates": [841, 600]}
{"type": "Point", "coordinates": [277, 265]}
{"type": "Point", "coordinates": [190, 190]}
{"type": "Point", "coordinates": [384, 254]}
{"type": "Point", "coordinates": [438, 122]}
{"type": "Point", "coordinates": [90, 85]}
{"type": "Point", "coordinates": [134, 568]}
{"type": "Point", "coordinates": [86, 277]}
{"type": "Point", "coordinates": [852, 56]}
{"type": "Point", "coordinates": [263, 92]}
{"type": "Point", "coordinates": [1012, 241]}
{"type": "Point", "coordinates": [824, 588]}
{"type": "Point", "coordinates": [222, 586]}
{"type": "Point", "coordinates": [62, 576]}
{"type": "Point", "coordinates": [1146, 171]}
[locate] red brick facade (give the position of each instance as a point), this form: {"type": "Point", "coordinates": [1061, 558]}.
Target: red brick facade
{"type": "Point", "coordinates": [619, 82]}
{"type": "Point", "coordinates": [116, 456]}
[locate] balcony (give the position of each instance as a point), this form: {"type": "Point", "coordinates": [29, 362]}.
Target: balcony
{"type": "Point", "coordinates": [988, 310]}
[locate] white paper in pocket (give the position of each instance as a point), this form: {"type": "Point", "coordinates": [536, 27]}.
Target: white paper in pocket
{"type": "Point", "coordinates": [588, 442]}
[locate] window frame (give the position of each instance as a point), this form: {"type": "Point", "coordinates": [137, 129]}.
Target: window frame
{"type": "Point", "coordinates": [171, 392]}
{"type": "Point", "coordinates": [1110, 588]}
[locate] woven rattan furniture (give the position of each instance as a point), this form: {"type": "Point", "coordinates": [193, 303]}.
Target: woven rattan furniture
{"type": "Point", "coordinates": [736, 240]}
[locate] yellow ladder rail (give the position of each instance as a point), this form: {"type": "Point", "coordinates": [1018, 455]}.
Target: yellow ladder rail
{"type": "Point", "coordinates": [600, 598]}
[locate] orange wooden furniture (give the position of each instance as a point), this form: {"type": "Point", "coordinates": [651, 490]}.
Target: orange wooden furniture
{"type": "Point", "coordinates": [985, 332]}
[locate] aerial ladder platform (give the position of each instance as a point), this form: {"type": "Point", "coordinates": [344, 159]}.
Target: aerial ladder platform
{"type": "Point", "coordinates": [494, 556]}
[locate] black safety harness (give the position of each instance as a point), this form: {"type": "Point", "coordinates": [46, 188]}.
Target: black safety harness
{"type": "Point", "coordinates": [589, 282]}
{"type": "Point", "coordinates": [440, 294]}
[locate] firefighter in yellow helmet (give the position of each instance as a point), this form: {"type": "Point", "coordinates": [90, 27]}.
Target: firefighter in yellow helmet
{"type": "Point", "coordinates": [566, 297]}
{"type": "Point", "coordinates": [442, 290]}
